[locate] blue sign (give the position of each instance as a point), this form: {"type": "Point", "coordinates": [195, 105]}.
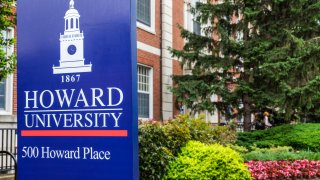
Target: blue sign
{"type": "Point", "coordinates": [77, 116]}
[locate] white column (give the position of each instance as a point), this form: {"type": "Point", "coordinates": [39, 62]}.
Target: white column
{"type": "Point", "coordinates": [167, 65]}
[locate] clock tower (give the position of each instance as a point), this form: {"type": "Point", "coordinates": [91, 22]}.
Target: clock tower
{"type": "Point", "coordinates": [71, 45]}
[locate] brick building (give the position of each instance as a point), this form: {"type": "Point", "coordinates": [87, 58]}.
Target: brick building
{"type": "Point", "coordinates": [157, 31]}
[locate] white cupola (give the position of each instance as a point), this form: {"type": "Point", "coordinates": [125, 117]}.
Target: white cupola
{"type": "Point", "coordinates": [72, 19]}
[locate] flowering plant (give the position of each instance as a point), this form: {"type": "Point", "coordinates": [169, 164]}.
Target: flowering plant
{"type": "Point", "coordinates": [284, 169]}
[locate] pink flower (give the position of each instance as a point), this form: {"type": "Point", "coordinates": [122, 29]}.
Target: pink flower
{"type": "Point", "coordinates": [284, 169]}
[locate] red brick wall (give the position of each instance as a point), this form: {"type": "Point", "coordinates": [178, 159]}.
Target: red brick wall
{"type": "Point", "coordinates": [178, 42]}
{"type": "Point", "coordinates": [177, 71]}
{"type": "Point", "coordinates": [150, 38]}
{"type": "Point", "coordinates": [153, 61]}
{"type": "Point", "coordinates": [178, 14]}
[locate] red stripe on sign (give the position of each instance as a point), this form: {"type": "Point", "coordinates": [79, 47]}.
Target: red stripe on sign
{"type": "Point", "coordinates": [84, 133]}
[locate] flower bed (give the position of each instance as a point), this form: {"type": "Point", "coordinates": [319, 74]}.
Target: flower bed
{"type": "Point", "coordinates": [284, 169]}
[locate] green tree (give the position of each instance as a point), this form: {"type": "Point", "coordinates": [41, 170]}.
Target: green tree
{"type": "Point", "coordinates": [253, 54]}
{"type": "Point", "coordinates": [7, 20]}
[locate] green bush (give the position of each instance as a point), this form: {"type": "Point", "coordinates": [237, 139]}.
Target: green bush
{"type": "Point", "coordinates": [207, 162]}
{"type": "Point", "coordinates": [239, 149]}
{"type": "Point", "coordinates": [199, 130]}
{"type": "Point", "coordinates": [279, 153]}
{"type": "Point", "coordinates": [177, 134]}
{"type": "Point", "coordinates": [160, 143]}
{"type": "Point", "coordinates": [300, 137]}
{"type": "Point", "coordinates": [224, 135]}
{"type": "Point", "coordinates": [154, 156]}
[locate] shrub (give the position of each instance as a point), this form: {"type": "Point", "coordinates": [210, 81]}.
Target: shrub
{"type": "Point", "coordinates": [177, 134]}
{"type": "Point", "coordinates": [284, 169]}
{"type": "Point", "coordinates": [154, 156]}
{"type": "Point", "coordinates": [300, 137]}
{"type": "Point", "coordinates": [224, 135]}
{"type": "Point", "coordinates": [239, 149]}
{"type": "Point", "coordinates": [199, 129]}
{"type": "Point", "coordinates": [279, 153]}
{"type": "Point", "coordinates": [201, 161]}
{"type": "Point", "coordinates": [202, 131]}
{"type": "Point", "coordinates": [160, 143]}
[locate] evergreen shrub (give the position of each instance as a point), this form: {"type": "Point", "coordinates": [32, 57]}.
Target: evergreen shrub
{"type": "Point", "coordinates": [279, 153]}
{"type": "Point", "coordinates": [207, 162]}
{"type": "Point", "coordinates": [299, 137]}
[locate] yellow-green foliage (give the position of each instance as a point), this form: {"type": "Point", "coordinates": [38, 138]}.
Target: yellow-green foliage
{"type": "Point", "coordinates": [239, 149]}
{"type": "Point", "coordinates": [207, 162]}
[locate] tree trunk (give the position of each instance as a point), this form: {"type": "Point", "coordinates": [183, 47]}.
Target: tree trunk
{"type": "Point", "coordinates": [246, 113]}
{"type": "Point", "coordinates": [245, 98]}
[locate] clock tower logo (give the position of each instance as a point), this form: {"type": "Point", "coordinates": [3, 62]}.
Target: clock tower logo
{"type": "Point", "coordinates": [71, 45]}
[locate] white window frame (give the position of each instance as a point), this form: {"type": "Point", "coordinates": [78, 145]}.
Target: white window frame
{"type": "Point", "coordinates": [9, 81]}
{"type": "Point", "coordinates": [150, 92]}
{"type": "Point", "coordinates": [8, 96]}
{"type": "Point", "coordinates": [188, 20]}
{"type": "Point", "coordinates": [189, 17]}
{"type": "Point", "coordinates": [151, 29]}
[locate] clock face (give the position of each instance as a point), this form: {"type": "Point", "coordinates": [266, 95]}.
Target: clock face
{"type": "Point", "coordinates": [72, 49]}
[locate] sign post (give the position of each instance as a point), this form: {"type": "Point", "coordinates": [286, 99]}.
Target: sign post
{"type": "Point", "coordinates": [77, 116]}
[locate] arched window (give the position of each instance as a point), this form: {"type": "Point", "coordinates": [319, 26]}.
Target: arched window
{"type": "Point", "coordinates": [71, 23]}
{"type": "Point", "coordinates": [77, 23]}
{"type": "Point", "coordinates": [67, 24]}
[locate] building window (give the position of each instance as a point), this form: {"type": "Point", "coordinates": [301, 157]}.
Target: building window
{"type": "Point", "coordinates": [144, 92]}
{"type": "Point", "coordinates": [2, 95]}
{"type": "Point", "coordinates": [146, 15]}
{"type": "Point", "coordinates": [144, 12]}
{"type": "Point", "coordinates": [190, 21]}
{"type": "Point", "coordinates": [6, 85]}
{"type": "Point", "coordinates": [196, 27]}
{"type": "Point", "coordinates": [196, 24]}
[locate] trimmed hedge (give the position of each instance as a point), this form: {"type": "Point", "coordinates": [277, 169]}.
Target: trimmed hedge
{"type": "Point", "coordinates": [207, 162]}
{"type": "Point", "coordinates": [279, 153]}
{"type": "Point", "coordinates": [300, 137]}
